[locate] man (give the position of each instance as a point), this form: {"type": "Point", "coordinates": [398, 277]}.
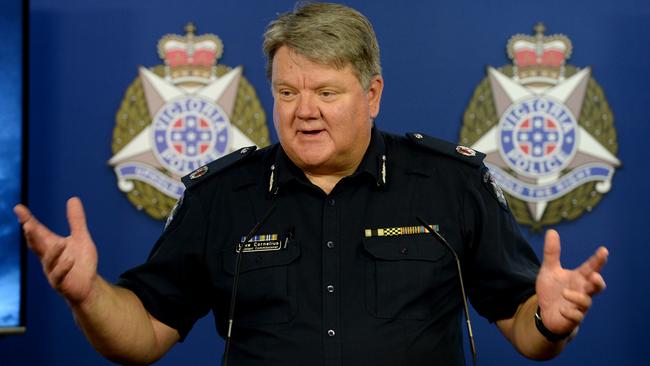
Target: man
{"type": "Point", "coordinates": [340, 272]}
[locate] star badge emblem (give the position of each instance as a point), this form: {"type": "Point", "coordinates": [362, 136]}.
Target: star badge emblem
{"type": "Point", "coordinates": [180, 116]}
{"type": "Point", "coordinates": [546, 129]}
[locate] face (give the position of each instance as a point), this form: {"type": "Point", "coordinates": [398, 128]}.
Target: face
{"type": "Point", "coordinates": [323, 116]}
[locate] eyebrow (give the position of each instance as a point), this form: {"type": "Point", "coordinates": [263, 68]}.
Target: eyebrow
{"type": "Point", "coordinates": [320, 84]}
{"type": "Point", "coordinates": [278, 82]}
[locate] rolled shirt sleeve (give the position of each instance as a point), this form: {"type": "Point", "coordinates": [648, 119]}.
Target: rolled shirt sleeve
{"type": "Point", "coordinates": [502, 267]}
{"type": "Point", "coordinates": [173, 283]}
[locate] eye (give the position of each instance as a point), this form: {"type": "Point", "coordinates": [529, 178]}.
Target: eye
{"type": "Point", "coordinates": [327, 94]}
{"type": "Point", "coordinates": [286, 93]}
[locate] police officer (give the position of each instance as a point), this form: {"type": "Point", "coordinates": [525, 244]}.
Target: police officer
{"type": "Point", "coordinates": [341, 272]}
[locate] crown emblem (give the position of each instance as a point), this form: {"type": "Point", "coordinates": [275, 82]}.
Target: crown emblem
{"type": "Point", "coordinates": [534, 120]}
{"type": "Point", "coordinates": [190, 59]}
{"type": "Point", "coordinates": [539, 60]}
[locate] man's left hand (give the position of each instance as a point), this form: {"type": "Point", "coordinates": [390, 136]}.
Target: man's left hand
{"type": "Point", "coordinates": [564, 295]}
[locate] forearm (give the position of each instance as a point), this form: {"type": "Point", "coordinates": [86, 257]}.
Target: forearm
{"type": "Point", "coordinates": [524, 336]}
{"type": "Point", "coordinates": [115, 322]}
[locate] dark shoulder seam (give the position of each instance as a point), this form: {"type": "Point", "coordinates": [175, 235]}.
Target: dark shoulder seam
{"type": "Point", "coordinates": [458, 152]}
{"type": "Point", "coordinates": [203, 173]}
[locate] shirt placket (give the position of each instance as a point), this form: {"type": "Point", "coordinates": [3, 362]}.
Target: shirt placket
{"type": "Point", "coordinates": [330, 284]}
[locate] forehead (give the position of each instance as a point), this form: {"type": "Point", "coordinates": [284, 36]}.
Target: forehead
{"type": "Point", "coordinates": [289, 65]}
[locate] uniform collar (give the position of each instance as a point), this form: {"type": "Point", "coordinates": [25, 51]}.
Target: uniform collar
{"type": "Point", "coordinates": [374, 164]}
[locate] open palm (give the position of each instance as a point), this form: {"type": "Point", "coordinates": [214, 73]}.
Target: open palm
{"type": "Point", "coordinates": [70, 262]}
{"type": "Point", "coordinates": [565, 295]}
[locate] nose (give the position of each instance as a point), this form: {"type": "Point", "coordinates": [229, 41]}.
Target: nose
{"type": "Point", "coordinates": [307, 107]}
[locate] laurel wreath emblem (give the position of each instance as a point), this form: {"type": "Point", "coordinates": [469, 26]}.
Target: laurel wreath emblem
{"type": "Point", "coordinates": [596, 117]}
{"type": "Point", "coordinates": [133, 116]}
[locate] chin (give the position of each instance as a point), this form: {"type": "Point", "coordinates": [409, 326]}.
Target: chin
{"type": "Point", "coordinates": [311, 158]}
{"type": "Point", "coordinates": [313, 154]}
{"type": "Point", "coordinates": [313, 161]}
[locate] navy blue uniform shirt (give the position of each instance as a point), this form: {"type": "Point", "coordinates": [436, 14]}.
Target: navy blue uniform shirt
{"type": "Point", "coordinates": [346, 278]}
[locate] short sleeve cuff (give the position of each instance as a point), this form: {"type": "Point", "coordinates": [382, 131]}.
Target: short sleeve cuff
{"type": "Point", "coordinates": [159, 307]}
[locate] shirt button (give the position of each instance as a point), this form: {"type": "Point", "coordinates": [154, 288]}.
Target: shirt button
{"type": "Point", "coordinates": [331, 333]}
{"type": "Point", "coordinates": [330, 288]}
{"type": "Point", "coordinates": [330, 244]}
{"type": "Point", "coordinates": [331, 201]}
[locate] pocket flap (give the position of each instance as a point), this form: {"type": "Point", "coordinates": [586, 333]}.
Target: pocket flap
{"type": "Point", "coordinates": [415, 247]}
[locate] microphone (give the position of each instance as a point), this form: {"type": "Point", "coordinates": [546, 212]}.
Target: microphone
{"type": "Point", "coordinates": [235, 282]}
{"type": "Point", "coordinates": [444, 242]}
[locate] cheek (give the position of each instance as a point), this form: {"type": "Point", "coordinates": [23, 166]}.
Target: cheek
{"type": "Point", "coordinates": [282, 118]}
{"type": "Point", "coordinates": [348, 118]}
{"type": "Point", "coordinates": [276, 117]}
{"type": "Point", "coordinates": [338, 116]}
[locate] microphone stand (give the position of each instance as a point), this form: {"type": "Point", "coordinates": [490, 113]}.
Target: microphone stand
{"type": "Point", "coordinates": [235, 282]}
{"type": "Point", "coordinates": [444, 242]}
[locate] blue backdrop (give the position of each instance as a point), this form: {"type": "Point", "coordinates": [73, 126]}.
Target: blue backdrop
{"type": "Point", "coordinates": [84, 54]}
{"type": "Point", "coordinates": [11, 90]}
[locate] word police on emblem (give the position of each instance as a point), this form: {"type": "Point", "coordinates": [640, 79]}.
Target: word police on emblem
{"type": "Point", "coordinates": [177, 117]}
{"type": "Point", "coordinates": [547, 131]}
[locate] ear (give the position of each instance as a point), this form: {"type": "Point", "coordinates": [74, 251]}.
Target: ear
{"type": "Point", "coordinates": [374, 95]}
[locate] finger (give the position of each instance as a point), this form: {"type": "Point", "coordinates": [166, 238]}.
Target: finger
{"type": "Point", "coordinates": [51, 257]}
{"type": "Point", "coordinates": [581, 300]}
{"type": "Point", "coordinates": [597, 282]}
{"type": "Point", "coordinates": [59, 272]}
{"type": "Point", "coordinates": [38, 236]}
{"type": "Point", "coordinates": [595, 263]}
{"type": "Point", "coordinates": [23, 213]}
{"type": "Point", "coordinates": [76, 216]}
{"type": "Point", "coordinates": [552, 249]}
{"type": "Point", "coordinates": [572, 314]}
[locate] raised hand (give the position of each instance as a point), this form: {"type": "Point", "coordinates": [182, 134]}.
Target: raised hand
{"type": "Point", "coordinates": [564, 296]}
{"type": "Point", "coordinates": [69, 263]}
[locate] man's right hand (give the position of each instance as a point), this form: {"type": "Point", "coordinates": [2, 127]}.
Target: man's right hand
{"type": "Point", "coordinates": [70, 263]}
{"type": "Point", "coordinates": [112, 318]}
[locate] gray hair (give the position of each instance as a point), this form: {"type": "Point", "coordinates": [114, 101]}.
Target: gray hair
{"type": "Point", "coordinates": [329, 34]}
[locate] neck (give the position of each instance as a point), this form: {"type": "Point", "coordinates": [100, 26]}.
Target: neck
{"type": "Point", "coordinates": [326, 182]}
{"type": "Point", "coordinates": [326, 176]}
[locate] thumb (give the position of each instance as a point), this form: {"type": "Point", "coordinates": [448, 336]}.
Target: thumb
{"type": "Point", "coordinates": [22, 213]}
{"type": "Point", "coordinates": [552, 250]}
{"type": "Point", "coordinates": [76, 217]}
{"type": "Point", "coordinates": [39, 237]}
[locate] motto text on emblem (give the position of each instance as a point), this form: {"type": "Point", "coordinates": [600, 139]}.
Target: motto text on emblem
{"type": "Point", "coordinates": [547, 130]}
{"type": "Point", "coordinates": [179, 116]}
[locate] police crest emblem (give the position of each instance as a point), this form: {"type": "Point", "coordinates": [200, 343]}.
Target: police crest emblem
{"type": "Point", "coordinates": [547, 131]}
{"type": "Point", "coordinates": [179, 116]}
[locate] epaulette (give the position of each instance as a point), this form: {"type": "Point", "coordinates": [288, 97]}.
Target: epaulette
{"type": "Point", "coordinates": [214, 167]}
{"type": "Point", "coordinates": [458, 152]}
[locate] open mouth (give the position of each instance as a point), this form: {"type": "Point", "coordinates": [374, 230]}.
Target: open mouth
{"type": "Point", "coordinates": [312, 132]}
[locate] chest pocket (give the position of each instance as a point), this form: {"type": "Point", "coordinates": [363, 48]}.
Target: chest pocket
{"type": "Point", "coordinates": [267, 284]}
{"type": "Point", "coordinates": [402, 274]}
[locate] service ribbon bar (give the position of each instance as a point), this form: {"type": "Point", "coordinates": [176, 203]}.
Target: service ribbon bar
{"type": "Point", "coordinates": [265, 237]}
{"type": "Point", "coordinates": [398, 231]}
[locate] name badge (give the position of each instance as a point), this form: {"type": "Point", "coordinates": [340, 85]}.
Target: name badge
{"type": "Point", "coordinates": [261, 243]}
